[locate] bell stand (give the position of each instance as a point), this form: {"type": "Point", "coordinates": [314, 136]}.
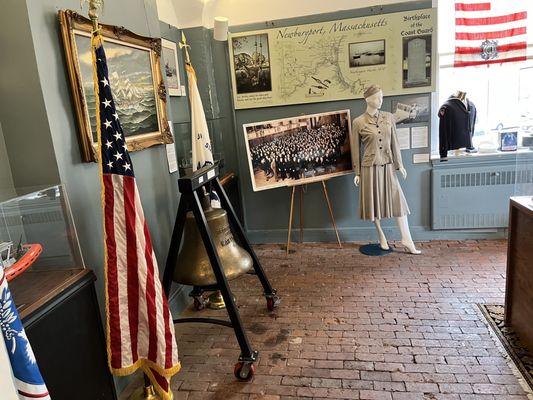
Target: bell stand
{"type": "Point", "coordinates": [300, 218]}
{"type": "Point", "coordinates": [191, 188]}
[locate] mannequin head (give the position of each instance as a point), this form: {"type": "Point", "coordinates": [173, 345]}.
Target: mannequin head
{"type": "Point", "coordinates": [375, 101]}
{"type": "Point", "coordinates": [373, 97]}
{"type": "Point", "coordinates": [460, 95]}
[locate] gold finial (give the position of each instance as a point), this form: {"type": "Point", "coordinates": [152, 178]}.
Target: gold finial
{"type": "Point", "coordinates": [95, 6]}
{"type": "Point", "coordinates": [183, 44]}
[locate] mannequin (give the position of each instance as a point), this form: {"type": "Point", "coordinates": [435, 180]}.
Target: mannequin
{"type": "Point", "coordinates": [380, 195]}
{"type": "Point", "coordinates": [462, 96]}
{"type": "Point", "coordinates": [457, 118]}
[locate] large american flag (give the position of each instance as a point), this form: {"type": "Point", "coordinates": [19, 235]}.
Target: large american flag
{"type": "Point", "coordinates": [490, 32]}
{"type": "Point", "coordinates": [140, 330]}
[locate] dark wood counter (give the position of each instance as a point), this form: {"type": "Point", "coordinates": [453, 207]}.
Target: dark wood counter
{"type": "Point", "coordinates": [61, 316]}
{"type": "Point", "coordinates": [519, 284]}
{"type": "Point", "coordinates": [34, 288]}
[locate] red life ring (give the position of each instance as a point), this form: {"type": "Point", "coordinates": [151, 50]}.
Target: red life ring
{"type": "Point", "coordinates": [23, 263]}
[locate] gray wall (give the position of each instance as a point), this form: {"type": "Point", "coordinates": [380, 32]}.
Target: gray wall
{"type": "Point", "coordinates": [209, 59]}
{"type": "Point", "coordinates": [22, 110]}
{"type": "Point", "coordinates": [7, 187]}
{"type": "Point", "coordinates": [266, 213]}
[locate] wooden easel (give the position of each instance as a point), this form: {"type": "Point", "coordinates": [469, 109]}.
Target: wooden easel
{"type": "Point", "coordinates": [300, 220]}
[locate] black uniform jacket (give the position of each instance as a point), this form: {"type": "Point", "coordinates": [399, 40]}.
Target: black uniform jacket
{"type": "Point", "coordinates": [456, 125]}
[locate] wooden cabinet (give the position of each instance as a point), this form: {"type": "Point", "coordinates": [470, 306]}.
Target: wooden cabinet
{"type": "Point", "coordinates": [519, 286]}
{"type": "Point", "coordinates": [60, 313]}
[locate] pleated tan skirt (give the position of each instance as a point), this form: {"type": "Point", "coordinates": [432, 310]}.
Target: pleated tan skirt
{"type": "Point", "coordinates": [381, 195]}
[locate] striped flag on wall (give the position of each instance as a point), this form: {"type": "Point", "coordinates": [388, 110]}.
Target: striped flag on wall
{"type": "Point", "coordinates": [489, 32]}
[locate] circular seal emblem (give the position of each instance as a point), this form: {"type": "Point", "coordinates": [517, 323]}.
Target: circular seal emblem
{"type": "Point", "coordinates": [489, 50]}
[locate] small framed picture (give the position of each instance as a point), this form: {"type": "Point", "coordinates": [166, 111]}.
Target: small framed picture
{"type": "Point", "coordinates": [509, 141]}
{"type": "Point", "coordinates": [171, 67]}
{"type": "Point", "coordinates": [366, 54]}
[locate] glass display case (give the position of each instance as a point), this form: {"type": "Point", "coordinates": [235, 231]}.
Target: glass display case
{"type": "Point", "coordinates": [39, 247]}
{"type": "Point", "coordinates": [524, 175]}
{"type": "Point", "coordinates": [182, 136]}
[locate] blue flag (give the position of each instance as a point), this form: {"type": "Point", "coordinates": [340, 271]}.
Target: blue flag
{"type": "Point", "coordinates": [28, 380]}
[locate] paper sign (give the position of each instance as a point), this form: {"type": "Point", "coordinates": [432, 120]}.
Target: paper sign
{"type": "Point", "coordinates": [420, 158]}
{"type": "Point", "coordinates": [404, 138]}
{"type": "Point", "coordinates": [171, 152]}
{"type": "Point", "coordinates": [419, 137]}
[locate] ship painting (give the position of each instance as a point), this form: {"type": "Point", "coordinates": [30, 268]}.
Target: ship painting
{"type": "Point", "coordinates": [132, 85]}
{"type": "Point", "coordinates": [169, 58]}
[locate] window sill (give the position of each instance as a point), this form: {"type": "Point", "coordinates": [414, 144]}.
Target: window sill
{"type": "Point", "coordinates": [520, 155]}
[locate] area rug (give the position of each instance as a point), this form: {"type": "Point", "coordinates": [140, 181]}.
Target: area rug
{"type": "Point", "coordinates": [523, 360]}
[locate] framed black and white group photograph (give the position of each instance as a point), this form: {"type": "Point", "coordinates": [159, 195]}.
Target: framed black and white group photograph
{"type": "Point", "coordinates": [251, 61]}
{"type": "Point", "coordinates": [364, 54]}
{"type": "Point", "coordinates": [298, 150]}
{"type": "Point", "coordinates": [411, 109]}
{"type": "Point", "coordinates": [417, 61]}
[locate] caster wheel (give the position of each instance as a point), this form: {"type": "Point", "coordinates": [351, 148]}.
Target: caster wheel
{"type": "Point", "coordinates": [273, 302]}
{"type": "Point", "coordinates": [244, 371]}
{"type": "Point", "coordinates": [199, 303]}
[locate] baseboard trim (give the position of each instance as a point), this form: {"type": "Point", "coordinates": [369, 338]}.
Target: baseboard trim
{"type": "Point", "coordinates": [419, 233]}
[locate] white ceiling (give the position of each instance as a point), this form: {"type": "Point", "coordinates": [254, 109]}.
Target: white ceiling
{"type": "Point", "coordinates": [191, 13]}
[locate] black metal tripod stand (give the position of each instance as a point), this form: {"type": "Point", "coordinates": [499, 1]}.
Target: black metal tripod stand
{"type": "Point", "coordinates": [191, 189]}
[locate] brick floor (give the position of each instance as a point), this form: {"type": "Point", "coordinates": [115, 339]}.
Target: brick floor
{"type": "Point", "coordinates": [356, 327]}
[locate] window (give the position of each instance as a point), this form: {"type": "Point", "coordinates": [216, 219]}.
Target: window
{"type": "Point", "coordinates": [502, 93]}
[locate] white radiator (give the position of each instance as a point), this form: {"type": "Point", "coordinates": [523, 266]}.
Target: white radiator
{"type": "Point", "coordinates": [475, 197]}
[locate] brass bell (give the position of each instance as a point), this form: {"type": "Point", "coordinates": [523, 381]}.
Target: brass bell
{"type": "Point", "coordinates": [193, 266]}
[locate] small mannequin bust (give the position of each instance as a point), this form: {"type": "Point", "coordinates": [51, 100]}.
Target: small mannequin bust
{"type": "Point", "coordinates": [381, 195]}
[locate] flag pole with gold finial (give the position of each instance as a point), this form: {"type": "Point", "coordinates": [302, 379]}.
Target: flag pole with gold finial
{"type": "Point", "coordinates": [146, 392]}
{"type": "Point", "coordinates": [183, 45]}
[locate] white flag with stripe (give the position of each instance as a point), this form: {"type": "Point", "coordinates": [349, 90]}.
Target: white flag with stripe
{"type": "Point", "coordinates": [202, 152]}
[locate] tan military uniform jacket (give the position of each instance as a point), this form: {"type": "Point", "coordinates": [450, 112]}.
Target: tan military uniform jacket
{"type": "Point", "coordinates": [377, 137]}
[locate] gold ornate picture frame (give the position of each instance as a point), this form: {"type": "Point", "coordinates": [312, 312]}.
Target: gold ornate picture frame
{"type": "Point", "coordinates": [136, 80]}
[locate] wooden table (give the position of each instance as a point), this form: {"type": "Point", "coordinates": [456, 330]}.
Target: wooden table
{"type": "Point", "coordinates": [519, 286]}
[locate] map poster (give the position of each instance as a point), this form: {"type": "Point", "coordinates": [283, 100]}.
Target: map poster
{"type": "Point", "coordinates": [334, 60]}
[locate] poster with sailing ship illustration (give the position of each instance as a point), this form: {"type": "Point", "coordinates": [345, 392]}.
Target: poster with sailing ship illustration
{"type": "Point", "coordinates": [330, 60]}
